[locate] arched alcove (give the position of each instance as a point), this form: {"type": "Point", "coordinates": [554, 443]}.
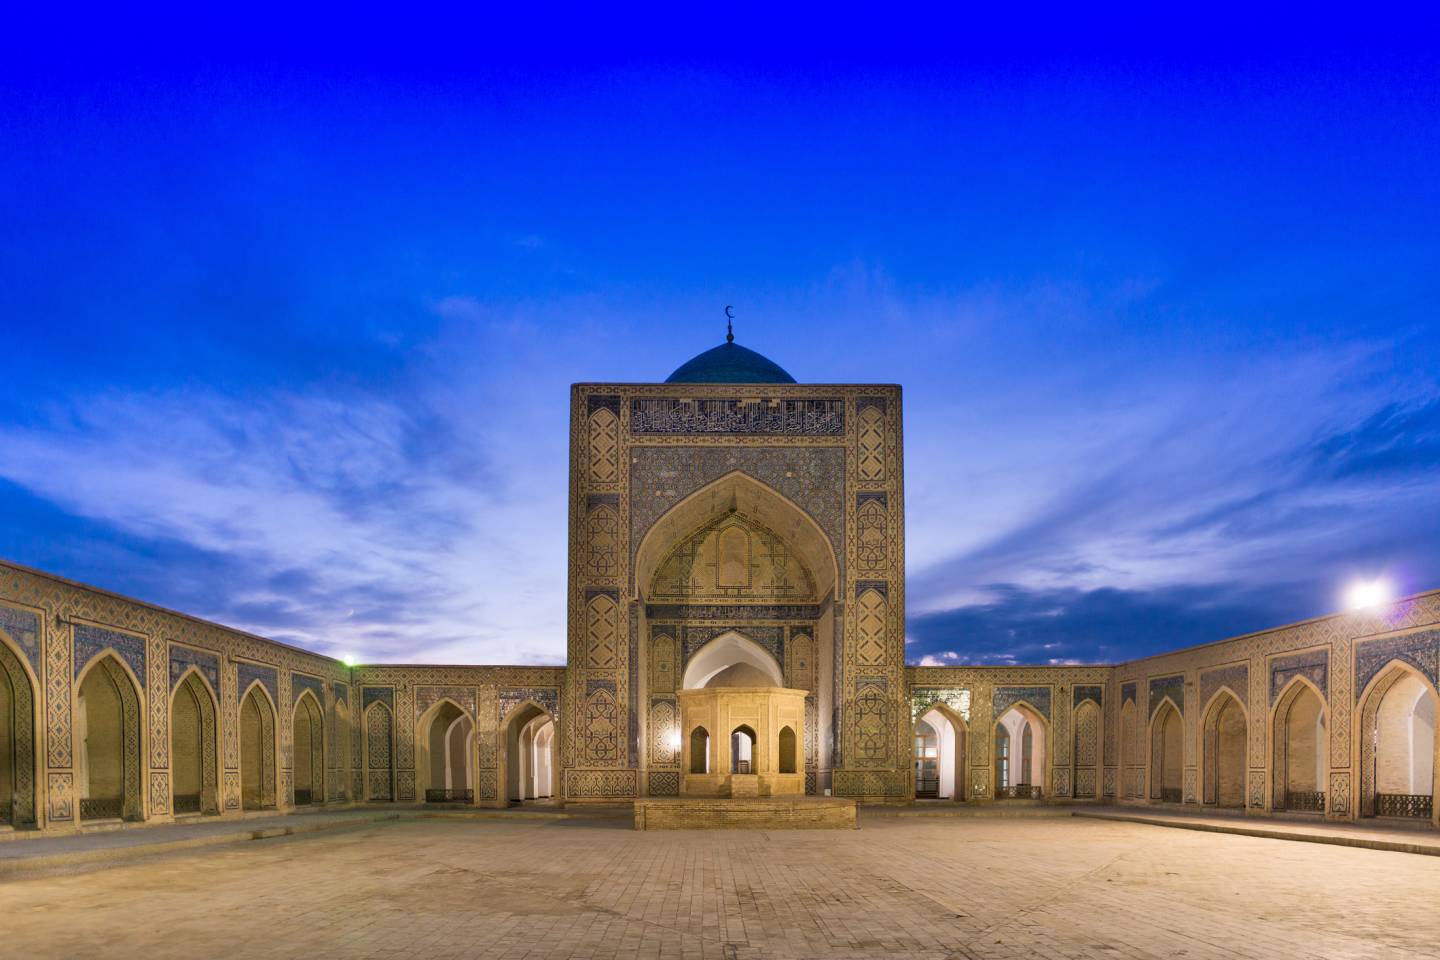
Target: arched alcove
{"type": "Point", "coordinates": [788, 750]}
{"type": "Point", "coordinates": [17, 738]}
{"type": "Point", "coordinates": [1398, 744]}
{"type": "Point", "coordinates": [1167, 753]}
{"type": "Point", "coordinates": [1022, 732]}
{"type": "Point", "coordinates": [379, 752]}
{"type": "Point", "coordinates": [193, 731]}
{"type": "Point", "coordinates": [734, 660]}
{"type": "Point", "coordinates": [1086, 751]}
{"type": "Point", "coordinates": [939, 754]}
{"type": "Point", "coordinates": [257, 750]}
{"type": "Point", "coordinates": [1223, 770]}
{"type": "Point", "coordinates": [699, 750]}
{"type": "Point", "coordinates": [530, 765]}
{"type": "Point", "coordinates": [308, 742]}
{"type": "Point", "coordinates": [1300, 749]}
{"type": "Point", "coordinates": [109, 736]}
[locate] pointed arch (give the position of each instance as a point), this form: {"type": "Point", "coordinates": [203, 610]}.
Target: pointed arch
{"type": "Point", "coordinates": [19, 721]}
{"type": "Point", "coordinates": [1224, 731]}
{"type": "Point", "coordinates": [529, 758]}
{"type": "Point", "coordinates": [307, 739]}
{"type": "Point", "coordinates": [1086, 751]}
{"type": "Point", "coordinates": [1131, 770]}
{"type": "Point", "coordinates": [1167, 752]}
{"type": "Point", "coordinates": [729, 650]}
{"type": "Point", "coordinates": [741, 493]}
{"type": "Point", "coordinates": [1025, 770]}
{"type": "Point", "coordinates": [951, 735]}
{"type": "Point", "coordinates": [1299, 747]}
{"type": "Point", "coordinates": [1400, 752]}
{"type": "Point", "coordinates": [109, 735]}
{"type": "Point", "coordinates": [258, 759]}
{"type": "Point", "coordinates": [443, 761]}
{"type": "Point", "coordinates": [194, 745]}
{"type": "Point", "coordinates": [379, 747]}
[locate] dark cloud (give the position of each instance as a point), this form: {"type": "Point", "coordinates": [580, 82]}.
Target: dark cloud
{"type": "Point", "coordinates": [1022, 625]}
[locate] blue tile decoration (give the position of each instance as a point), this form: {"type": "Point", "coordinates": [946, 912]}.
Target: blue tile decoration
{"type": "Point", "coordinates": [90, 640]}
{"type": "Point", "coordinates": [733, 611]}
{"type": "Point", "coordinates": [1127, 693]}
{"type": "Point", "coordinates": [1313, 665]}
{"type": "Point", "coordinates": [602, 500]}
{"type": "Point", "coordinates": [726, 416]}
{"type": "Point", "coordinates": [23, 626]}
{"type": "Point", "coordinates": [546, 697]}
{"type": "Point", "coordinates": [1172, 687]}
{"type": "Point", "coordinates": [299, 683]}
{"type": "Point", "coordinates": [341, 691]}
{"type": "Point", "coordinates": [603, 402]}
{"type": "Point", "coordinates": [862, 403]}
{"type": "Point", "coordinates": [385, 695]}
{"type": "Point", "coordinates": [956, 698]}
{"type": "Point", "coordinates": [1235, 677]}
{"type": "Point", "coordinates": [1003, 698]}
{"type": "Point", "coordinates": [879, 586]}
{"type": "Point", "coordinates": [772, 639]}
{"type": "Point", "coordinates": [1085, 692]}
{"type": "Point", "coordinates": [183, 658]}
{"type": "Point", "coordinates": [248, 673]}
{"type": "Point", "coordinates": [1420, 650]}
{"type": "Point", "coordinates": [865, 497]}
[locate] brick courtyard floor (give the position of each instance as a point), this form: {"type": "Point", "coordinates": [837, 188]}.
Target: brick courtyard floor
{"type": "Point", "coordinates": [591, 887]}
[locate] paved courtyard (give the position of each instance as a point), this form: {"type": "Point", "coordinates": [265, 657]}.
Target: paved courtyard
{"type": "Point", "coordinates": [591, 887]}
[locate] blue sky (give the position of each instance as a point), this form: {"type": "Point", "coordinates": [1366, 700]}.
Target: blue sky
{"type": "Point", "coordinates": [288, 343]}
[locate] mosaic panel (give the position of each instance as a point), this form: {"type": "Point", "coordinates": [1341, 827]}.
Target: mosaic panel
{"type": "Point", "coordinates": [1172, 687]}
{"type": "Point", "coordinates": [734, 611]}
{"type": "Point", "coordinates": [599, 784]}
{"type": "Point", "coordinates": [23, 627]}
{"type": "Point", "coordinates": [547, 698]}
{"type": "Point", "coordinates": [1313, 665]}
{"type": "Point", "coordinates": [61, 788]}
{"type": "Point", "coordinates": [1127, 692]}
{"type": "Point", "coordinates": [663, 783]}
{"type": "Point", "coordinates": [369, 695]}
{"type": "Point", "coordinates": [90, 640]}
{"type": "Point", "coordinates": [1235, 677]}
{"type": "Point", "coordinates": [1003, 698]}
{"type": "Point", "coordinates": [426, 696]}
{"type": "Point", "coordinates": [1420, 650]}
{"type": "Point", "coordinates": [784, 416]}
{"type": "Point", "coordinates": [299, 683]}
{"type": "Point", "coordinates": [206, 662]}
{"type": "Point", "coordinates": [1083, 692]}
{"type": "Point", "coordinates": [248, 673]}
{"type": "Point", "coordinates": [923, 698]}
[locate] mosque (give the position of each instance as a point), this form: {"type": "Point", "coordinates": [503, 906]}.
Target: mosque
{"type": "Point", "coordinates": [736, 629]}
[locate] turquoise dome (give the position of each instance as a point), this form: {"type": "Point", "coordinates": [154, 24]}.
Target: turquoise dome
{"type": "Point", "coordinates": [730, 363]}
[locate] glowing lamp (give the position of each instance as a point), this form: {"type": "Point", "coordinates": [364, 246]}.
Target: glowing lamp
{"type": "Point", "coordinates": [348, 660]}
{"type": "Point", "coordinates": [674, 739]}
{"type": "Point", "coordinates": [1368, 593]}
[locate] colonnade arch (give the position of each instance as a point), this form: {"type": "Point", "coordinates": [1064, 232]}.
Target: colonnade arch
{"type": "Point", "coordinates": [446, 736]}
{"type": "Point", "coordinates": [194, 734]}
{"type": "Point", "coordinates": [257, 749]}
{"type": "Point", "coordinates": [308, 742]}
{"type": "Point", "coordinates": [1021, 739]}
{"type": "Point", "coordinates": [939, 758]}
{"type": "Point", "coordinates": [531, 771]}
{"type": "Point", "coordinates": [1167, 753]}
{"type": "Point", "coordinates": [109, 739]}
{"type": "Point", "coordinates": [1400, 753]}
{"type": "Point", "coordinates": [17, 738]}
{"type": "Point", "coordinates": [1300, 748]}
{"type": "Point", "coordinates": [1223, 751]}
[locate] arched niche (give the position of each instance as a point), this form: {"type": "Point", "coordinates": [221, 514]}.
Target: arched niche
{"type": "Point", "coordinates": [18, 774]}
{"type": "Point", "coordinates": [733, 660]}
{"type": "Point", "coordinates": [379, 752]}
{"type": "Point", "coordinates": [193, 739]}
{"type": "Point", "coordinates": [531, 767]}
{"type": "Point", "coordinates": [109, 735]}
{"type": "Point", "coordinates": [1300, 748]}
{"type": "Point", "coordinates": [257, 749]}
{"type": "Point", "coordinates": [1023, 734]}
{"type": "Point", "coordinates": [939, 765]}
{"type": "Point", "coordinates": [1088, 722]}
{"type": "Point", "coordinates": [1222, 771]}
{"type": "Point", "coordinates": [444, 736]}
{"type": "Point", "coordinates": [1400, 753]}
{"type": "Point", "coordinates": [1167, 753]}
{"type": "Point", "coordinates": [307, 735]}
{"type": "Point", "coordinates": [739, 544]}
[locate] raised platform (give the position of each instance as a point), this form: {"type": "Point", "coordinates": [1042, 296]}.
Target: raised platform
{"type": "Point", "coordinates": [747, 813]}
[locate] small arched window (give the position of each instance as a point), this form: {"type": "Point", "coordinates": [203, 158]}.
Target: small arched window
{"type": "Point", "coordinates": [787, 750]}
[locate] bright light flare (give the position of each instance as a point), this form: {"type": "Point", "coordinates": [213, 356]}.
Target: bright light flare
{"type": "Point", "coordinates": [674, 739]}
{"type": "Point", "coordinates": [1368, 593]}
{"type": "Point", "coordinates": [348, 659]}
